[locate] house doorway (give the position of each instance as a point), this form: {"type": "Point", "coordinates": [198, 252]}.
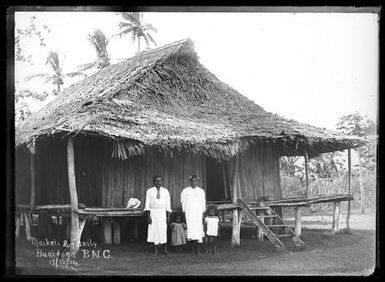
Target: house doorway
{"type": "Point", "coordinates": [217, 181]}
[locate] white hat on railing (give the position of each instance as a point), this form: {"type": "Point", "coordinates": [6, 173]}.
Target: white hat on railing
{"type": "Point", "coordinates": [133, 203]}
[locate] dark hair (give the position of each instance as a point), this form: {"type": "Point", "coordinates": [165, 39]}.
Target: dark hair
{"type": "Point", "coordinates": [182, 218]}
{"type": "Point", "coordinates": [214, 208]}
{"type": "Point", "coordinates": [155, 177]}
{"type": "Point", "coordinates": [191, 177]}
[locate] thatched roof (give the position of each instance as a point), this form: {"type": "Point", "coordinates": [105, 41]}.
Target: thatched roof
{"type": "Point", "coordinates": [165, 98]}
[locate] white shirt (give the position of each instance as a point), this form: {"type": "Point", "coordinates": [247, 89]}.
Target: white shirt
{"type": "Point", "coordinates": [194, 198]}
{"type": "Point", "coordinates": [153, 203]}
{"type": "Point", "coordinates": [194, 204]}
{"type": "Point", "coordinates": [212, 225]}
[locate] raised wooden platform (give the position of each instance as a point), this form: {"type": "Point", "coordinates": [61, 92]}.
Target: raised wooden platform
{"type": "Point", "coordinates": [306, 201]}
{"type": "Point", "coordinates": [99, 211]}
{"type": "Point", "coordinates": [112, 212]}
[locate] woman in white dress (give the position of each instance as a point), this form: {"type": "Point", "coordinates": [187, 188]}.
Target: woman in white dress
{"type": "Point", "coordinates": [158, 209]}
{"type": "Point", "coordinates": [193, 201]}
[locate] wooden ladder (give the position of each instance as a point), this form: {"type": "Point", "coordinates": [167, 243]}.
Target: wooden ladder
{"type": "Point", "coordinates": [268, 212]}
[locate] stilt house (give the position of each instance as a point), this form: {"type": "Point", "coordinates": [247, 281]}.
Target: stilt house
{"type": "Point", "coordinates": [161, 112]}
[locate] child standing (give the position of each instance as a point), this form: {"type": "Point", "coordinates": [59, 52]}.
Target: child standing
{"type": "Point", "coordinates": [212, 228]}
{"type": "Point", "coordinates": [178, 235]}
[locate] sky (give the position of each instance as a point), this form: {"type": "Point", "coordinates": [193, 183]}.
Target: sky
{"type": "Point", "coordinates": [311, 67]}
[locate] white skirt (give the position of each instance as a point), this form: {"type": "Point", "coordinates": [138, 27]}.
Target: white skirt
{"type": "Point", "coordinates": [194, 226]}
{"type": "Point", "coordinates": [157, 230]}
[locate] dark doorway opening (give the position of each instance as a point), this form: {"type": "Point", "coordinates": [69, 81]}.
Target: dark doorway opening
{"type": "Point", "coordinates": [217, 181]}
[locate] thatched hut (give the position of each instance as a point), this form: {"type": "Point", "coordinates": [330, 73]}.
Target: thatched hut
{"type": "Point", "coordinates": [160, 112]}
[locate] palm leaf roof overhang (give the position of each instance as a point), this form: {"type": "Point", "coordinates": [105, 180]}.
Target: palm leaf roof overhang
{"type": "Point", "coordinates": [165, 98]}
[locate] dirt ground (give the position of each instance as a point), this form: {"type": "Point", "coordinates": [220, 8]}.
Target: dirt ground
{"type": "Point", "coordinates": [323, 254]}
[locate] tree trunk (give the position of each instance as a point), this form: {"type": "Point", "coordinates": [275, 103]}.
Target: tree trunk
{"type": "Point", "coordinates": [58, 88]}
{"type": "Point", "coordinates": [138, 44]}
{"type": "Point", "coordinates": [362, 192]}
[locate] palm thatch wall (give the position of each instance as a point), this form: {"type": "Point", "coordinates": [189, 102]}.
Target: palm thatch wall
{"type": "Point", "coordinates": [103, 181]}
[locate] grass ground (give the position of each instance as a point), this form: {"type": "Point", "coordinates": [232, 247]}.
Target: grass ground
{"type": "Point", "coordinates": [341, 254]}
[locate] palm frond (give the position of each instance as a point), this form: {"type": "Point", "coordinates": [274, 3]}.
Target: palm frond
{"type": "Point", "coordinates": [51, 78]}
{"type": "Point", "coordinates": [62, 64]}
{"type": "Point", "coordinates": [123, 32]}
{"type": "Point", "coordinates": [76, 73]}
{"type": "Point", "coordinates": [131, 17]}
{"type": "Point", "coordinates": [37, 75]}
{"type": "Point", "coordinates": [146, 40]}
{"type": "Point", "coordinates": [53, 61]}
{"type": "Point", "coordinates": [99, 41]}
{"type": "Point", "coordinates": [123, 25]}
{"type": "Point", "coordinates": [149, 27]}
{"type": "Point", "coordinates": [85, 67]}
{"type": "Point", "coordinates": [151, 39]}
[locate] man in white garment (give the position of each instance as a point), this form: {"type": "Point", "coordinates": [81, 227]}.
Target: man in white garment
{"type": "Point", "coordinates": [158, 209]}
{"type": "Point", "coordinates": [193, 201]}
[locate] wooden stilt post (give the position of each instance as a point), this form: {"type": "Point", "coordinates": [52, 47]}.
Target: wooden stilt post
{"type": "Point", "coordinates": [107, 230]}
{"type": "Point", "coordinates": [298, 224]}
{"type": "Point", "coordinates": [75, 244]}
{"type": "Point", "coordinates": [235, 238]}
{"type": "Point", "coordinates": [224, 180]}
{"type": "Point", "coordinates": [260, 234]}
{"type": "Point", "coordinates": [27, 222]}
{"type": "Point", "coordinates": [33, 173]}
{"type": "Point", "coordinates": [116, 231]}
{"type": "Point", "coordinates": [361, 184]}
{"type": "Point", "coordinates": [336, 217]}
{"type": "Point", "coordinates": [82, 223]}
{"type": "Point", "coordinates": [349, 189]}
{"type": "Point", "coordinates": [307, 173]}
{"type": "Point", "coordinates": [17, 231]}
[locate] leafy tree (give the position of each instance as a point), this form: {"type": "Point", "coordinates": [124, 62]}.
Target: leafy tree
{"type": "Point", "coordinates": [326, 165]}
{"type": "Point", "coordinates": [33, 31]}
{"type": "Point", "coordinates": [357, 125]}
{"type": "Point", "coordinates": [133, 24]}
{"type": "Point", "coordinates": [99, 41]}
{"type": "Point", "coordinates": [22, 102]}
{"type": "Point", "coordinates": [56, 76]}
{"type": "Point", "coordinates": [26, 93]}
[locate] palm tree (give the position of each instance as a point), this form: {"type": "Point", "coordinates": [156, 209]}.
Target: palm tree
{"type": "Point", "coordinates": [99, 41]}
{"type": "Point", "coordinates": [57, 75]}
{"type": "Point", "coordinates": [133, 24]}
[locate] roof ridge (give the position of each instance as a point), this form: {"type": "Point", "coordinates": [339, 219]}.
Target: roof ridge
{"type": "Point", "coordinates": [161, 48]}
